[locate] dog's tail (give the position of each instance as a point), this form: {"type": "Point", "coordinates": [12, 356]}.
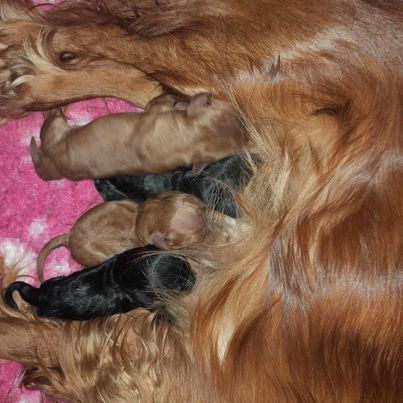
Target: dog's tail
{"type": "Point", "coordinates": [61, 240]}
{"type": "Point", "coordinates": [27, 292]}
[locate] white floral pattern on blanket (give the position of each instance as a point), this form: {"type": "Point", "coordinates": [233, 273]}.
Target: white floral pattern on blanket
{"type": "Point", "coordinates": [33, 211]}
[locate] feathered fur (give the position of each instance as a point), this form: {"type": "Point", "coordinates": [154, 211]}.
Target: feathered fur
{"type": "Point", "coordinates": [308, 307]}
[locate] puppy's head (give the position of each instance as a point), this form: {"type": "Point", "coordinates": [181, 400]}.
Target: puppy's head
{"type": "Point", "coordinates": [172, 221]}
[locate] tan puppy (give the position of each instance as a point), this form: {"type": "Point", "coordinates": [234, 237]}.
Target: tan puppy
{"type": "Point", "coordinates": [170, 221]}
{"type": "Point", "coordinates": [171, 132]}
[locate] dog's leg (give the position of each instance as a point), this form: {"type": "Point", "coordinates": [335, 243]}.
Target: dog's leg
{"type": "Point", "coordinates": [58, 362]}
{"type": "Point", "coordinates": [41, 88]}
{"type": "Point", "coordinates": [28, 340]}
{"type": "Point", "coordinates": [77, 62]}
{"type": "Point", "coordinates": [29, 81]}
{"type": "Point", "coordinates": [22, 337]}
{"type": "Point", "coordinates": [173, 60]}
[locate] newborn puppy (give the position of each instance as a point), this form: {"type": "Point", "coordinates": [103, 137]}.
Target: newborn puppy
{"type": "Point", "coordinates": [170, 221]}
{"type": "Point", "coordinates": [171, 132]}
{"type": "Point", "coordinates": [216, 183]}
{"type": "Point", "coordinates": [130, 280]}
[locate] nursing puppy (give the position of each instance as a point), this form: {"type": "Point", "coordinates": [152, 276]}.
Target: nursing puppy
{"type": "Point", "coordinates": [170, 221]}
{"type": "Point", "coordinates": [130, 280]}
{"type": "Point", "coordinates": [215, 185]}
{"type": "Point", "coordinates": [310, 301]}
{"type": "Point", "coordinates": [171, 132]}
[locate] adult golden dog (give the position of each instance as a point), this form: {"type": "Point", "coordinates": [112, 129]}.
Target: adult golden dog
{"type": "Point", "coordinates": [307, 307]}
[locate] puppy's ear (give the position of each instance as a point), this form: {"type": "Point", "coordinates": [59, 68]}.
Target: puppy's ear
{"type": "Point", "coordinates": [159, 240]}
{"type": "Point", "coordinates": [198, 103]}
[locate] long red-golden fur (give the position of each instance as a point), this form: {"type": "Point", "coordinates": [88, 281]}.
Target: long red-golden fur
{"type": "Point", "coordinates": [306, 308]}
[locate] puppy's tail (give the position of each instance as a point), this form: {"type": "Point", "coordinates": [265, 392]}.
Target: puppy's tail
{"type": "Point", "coordinates": [61, 240]}
{"type": "Point", "coordinates": [27, 292]}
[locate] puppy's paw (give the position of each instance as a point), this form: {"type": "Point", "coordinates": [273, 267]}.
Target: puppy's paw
{"type": "Point", "coordinates": [54, 113]}
{"type": "Point", "coordinates": [54, 128]}
{"type": "Point", "coordinates": [37, 160]}
{"type": "Point", "coordinates": [35, 152]}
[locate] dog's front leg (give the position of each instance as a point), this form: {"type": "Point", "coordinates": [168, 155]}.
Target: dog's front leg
{"type": "Point", "coordinates": [57, 64]}
{"type": "Point", "coordinates": [45, 86]}
{"type": "Point", "coordinates": [29, 80]}
{"type": "Point", "coordinates": [187, 62]}
{"type": "Point", "coordinates": [28, 340]}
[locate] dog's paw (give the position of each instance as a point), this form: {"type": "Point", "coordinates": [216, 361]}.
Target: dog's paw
{"type": "Point", "coordinates": [16, 68]}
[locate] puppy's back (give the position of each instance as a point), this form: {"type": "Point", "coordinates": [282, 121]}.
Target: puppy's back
{"type": "Point", "coordinates": [215, 185]}
{"type": "Point", "coordinates": [132, 279]}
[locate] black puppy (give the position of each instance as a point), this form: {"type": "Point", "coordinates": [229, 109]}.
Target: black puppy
{"type": "Point", "coordinates": [124, 282]}
{"type": "Point", "coordinates": [216, 183]}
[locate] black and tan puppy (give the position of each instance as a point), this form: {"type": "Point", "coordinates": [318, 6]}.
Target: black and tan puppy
{"type": "Point", "coordinates": [215, 185]}
{"type": "Point", "coordinates": [130, 280]}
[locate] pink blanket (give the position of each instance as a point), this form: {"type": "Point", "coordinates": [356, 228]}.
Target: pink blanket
{"type": "Point", "coordinates": [33, 211]}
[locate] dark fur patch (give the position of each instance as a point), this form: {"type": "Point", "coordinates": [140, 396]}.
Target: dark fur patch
{"type": "Point", "coordinates": [130, 280]}
{"type": "Point", "coordinates": [214, 185]}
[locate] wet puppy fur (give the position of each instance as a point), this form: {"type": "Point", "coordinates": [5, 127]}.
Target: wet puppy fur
{"type": "Point", "coordinates": [132, 279]}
